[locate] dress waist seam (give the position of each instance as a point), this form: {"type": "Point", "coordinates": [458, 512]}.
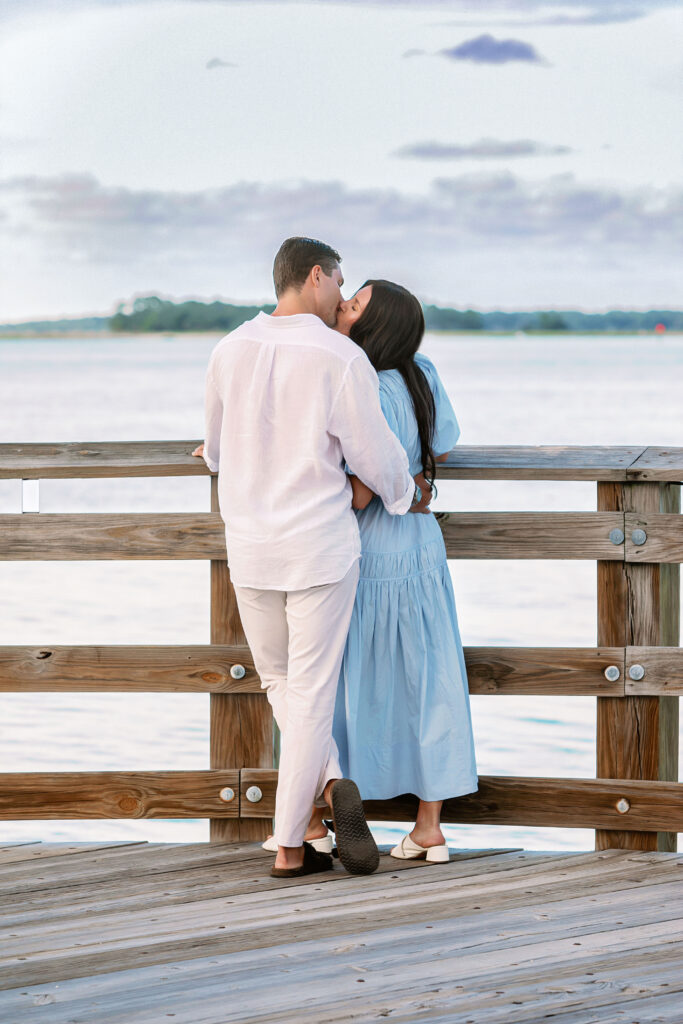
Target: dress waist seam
{"type": "Point", "coordinates": [406, 576]}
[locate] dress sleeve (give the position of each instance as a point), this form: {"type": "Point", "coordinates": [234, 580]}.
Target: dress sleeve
{"type": "Point", "coordinates": [371, 450]}
{"type": "Point", "coordinates": [446, 429]}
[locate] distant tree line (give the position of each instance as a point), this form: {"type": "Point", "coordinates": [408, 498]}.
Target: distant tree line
{"type": "Point", "coordinates": [438, 318]}
{"type": "Point", "coordinates": [150, 313]}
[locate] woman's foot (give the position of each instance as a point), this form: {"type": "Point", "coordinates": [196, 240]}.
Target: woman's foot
{"type": "Point", "coordinates": [427, 837]}
{"type": "Point", "coordinates": [427, 831]}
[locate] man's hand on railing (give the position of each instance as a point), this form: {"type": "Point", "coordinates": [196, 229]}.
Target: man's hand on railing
{"type": "Point", "coordinates": [426, 495]}
{"type": "Point", "coordinates": [199, 451]}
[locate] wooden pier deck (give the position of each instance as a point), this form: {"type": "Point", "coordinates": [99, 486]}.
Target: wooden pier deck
{"type": "Point", "coordinates": [144, 933]}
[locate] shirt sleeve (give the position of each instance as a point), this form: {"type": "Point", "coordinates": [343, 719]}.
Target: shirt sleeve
{"type": "Point", "coordinates": [446, 428]}
{"type": "Point", "coordinates": [213, 412]}
{"type": "Point", "coordinates": [367, 442]}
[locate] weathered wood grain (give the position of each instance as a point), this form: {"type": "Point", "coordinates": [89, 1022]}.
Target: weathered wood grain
{"type": "Point", "coordinates": [174, 458]}
{"type": "Point", "coordinates": [206, 669]}
{"type": "Point", "coordinates": [171, 669]}
{"type": "Point", "coordinates": [646, 727]}
{"type": "Point", "coordinates": [241, 725]}
{"type": "Point", "coordinates": [70, 536]}
{"type": "Point", "coordinates": [571, 535]}
{"type": "Point", "coordinates": [100, 459]}
{"type": "Point", "coordinates": [20, 853]}
{"type": "Point", "coordinates": [538, 462]}
{"type": "Point", "coordinates": [160, 794]}
{"type": "Point", "coordinates": [489, 935]}
{"type": "Point", "coordinates": [664, 535]}
{"type": "Point", "coordinates": [480, 462]}
{"type": "Point", "coordinates": [97, 536]}
{"type": "Point", "coordinates": [663, 671]}
{"type": "Point", "coordinates": [544, 670]}
{"type": "Point", "coordinates": [663, 464]}
{"type": "Point", "coordinates": [519, 800]}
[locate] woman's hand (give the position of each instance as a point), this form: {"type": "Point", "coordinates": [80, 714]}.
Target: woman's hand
{"type": "Point", "coordinates": [426, 489]}
{"type": "Point", "coordinates": [199, 451]}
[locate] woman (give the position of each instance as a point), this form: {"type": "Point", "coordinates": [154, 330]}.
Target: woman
{"type": "Point", "coordinates": [402, 719]}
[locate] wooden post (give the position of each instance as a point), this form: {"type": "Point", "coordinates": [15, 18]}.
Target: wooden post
{"type": "Point", "coordinates": [241, 725]}
{"type": "Point", "coordinates": [638, 605]}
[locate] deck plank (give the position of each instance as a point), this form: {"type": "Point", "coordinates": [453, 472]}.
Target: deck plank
{"type": "Point", "coordinates": [146, 933]}
{"type": "Point", "coordinates": [115, 941]}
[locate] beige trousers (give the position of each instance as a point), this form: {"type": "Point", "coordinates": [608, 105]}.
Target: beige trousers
{"type": "Point", "coordinates": [297, 638]}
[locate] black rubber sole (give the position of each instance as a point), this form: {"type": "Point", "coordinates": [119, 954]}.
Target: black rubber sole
{"type": "Point", "coordinates": [357, 849]}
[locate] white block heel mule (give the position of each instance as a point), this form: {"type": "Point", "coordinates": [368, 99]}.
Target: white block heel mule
{"type": "Point", "coordinates": [323, 845]}
{"type": "Point", "coordinates": [408, 850]}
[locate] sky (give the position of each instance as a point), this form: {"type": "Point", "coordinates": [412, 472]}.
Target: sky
{"type": "Point", "coordinates": [497, 154]}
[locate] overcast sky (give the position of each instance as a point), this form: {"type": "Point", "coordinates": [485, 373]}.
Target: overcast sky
{"type": "Point", "coordinates": [493, 153]}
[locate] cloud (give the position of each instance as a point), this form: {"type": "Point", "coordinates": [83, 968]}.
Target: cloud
{"type": "Point", "coordinates": [485, 49]}
{"type": "Point", "coordinates": [483, 149]}
{"type": "Point", "coordinates": [479, 239]}
{"type": "Point", "coordinates": [216, 62]}
{"type": "Point", "coordinates": [77, 211]}
{"type": "Point", "coordinates": [592, 12]}
{"type": "Point", "coordinates": [539, 12]}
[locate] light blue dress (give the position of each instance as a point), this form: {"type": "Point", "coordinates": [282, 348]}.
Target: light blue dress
{"type": "Point", "coordinates": [402, 719]}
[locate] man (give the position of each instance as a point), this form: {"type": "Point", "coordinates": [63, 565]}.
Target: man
{"type": "Point", "coordinates": [287, 400]}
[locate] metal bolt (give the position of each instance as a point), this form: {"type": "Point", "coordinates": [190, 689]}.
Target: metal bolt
{"type": "Point", "coordinates": [639, 536]}
{"type": "Point", "coordinates": [227, 794]}
{"type": "Point", "coordinates": [616, 536]}
{"type": "Point", "coordinates": [254, 794]}
{"type": "Point", "coordinates": [623, 805]}
{"type": "Point", "coordinates": [636, 672]}
{"type": "Point", "coordinates": [612, 672]}
{"type": "Point", "coordinates": [238, 671]}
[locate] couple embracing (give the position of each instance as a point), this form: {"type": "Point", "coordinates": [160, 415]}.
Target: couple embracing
{"type": "Point", "coordinates": [325, 423]}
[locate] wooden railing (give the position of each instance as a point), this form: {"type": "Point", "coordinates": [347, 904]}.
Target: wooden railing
{"type": "Point", "coordinates": [636, 670]}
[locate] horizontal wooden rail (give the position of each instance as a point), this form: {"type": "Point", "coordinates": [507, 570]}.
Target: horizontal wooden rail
{"type": "Point", "coordinates": [157, 794]}
{"type": "Point", "coordinates": [480, 462]}
{"type": "Point", "coordinates": [565, 535]}
{"type": "Point", "coordinates": [206, 668]}
{"type": "Point", "coordinates": [97, 536]}
{"type": "Point", "coordinates": [201, 535]}
{"type": "Point", "coordinates": [662, 667]}
{"type": "Point", "coordinates": [500, 800]}
{"type": "Point", "coordinates": [508, 800]}
{"type": "Point", "coordinates": [548, 671]}
{"type": "Point", "coordinates": [663, 537]}
{"type": "Point", "coordinates": [161, 669]}
{"type": "Point", "coordinates": [576, 671]}
{"type": "Point", "coordinates": [88, 460]}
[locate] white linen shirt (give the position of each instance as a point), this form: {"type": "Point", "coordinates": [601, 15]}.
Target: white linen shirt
{"type": "Point", "coordinates": [287, 400]}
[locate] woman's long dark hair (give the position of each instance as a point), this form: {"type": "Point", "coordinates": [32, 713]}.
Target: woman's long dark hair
{"type": "Point", "coordinates": [389, 331]}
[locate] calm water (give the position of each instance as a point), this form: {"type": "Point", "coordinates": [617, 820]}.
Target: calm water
{"type": "Point", "coordinates": [505, 390]}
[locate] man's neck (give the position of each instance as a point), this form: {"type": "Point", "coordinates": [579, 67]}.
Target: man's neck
{"type": "Point", "coordinates": [292, 304]}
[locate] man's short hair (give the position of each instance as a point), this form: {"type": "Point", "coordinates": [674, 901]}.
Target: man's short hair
{"type": "Point", "coordinates": [296, 257]}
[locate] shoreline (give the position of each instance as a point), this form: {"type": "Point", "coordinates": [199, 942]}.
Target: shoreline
{"type": "Point", "coordinates": [176, 335]}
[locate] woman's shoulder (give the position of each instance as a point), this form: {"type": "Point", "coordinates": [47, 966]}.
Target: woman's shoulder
{"type": "Point", "coordinates": [426, 365]}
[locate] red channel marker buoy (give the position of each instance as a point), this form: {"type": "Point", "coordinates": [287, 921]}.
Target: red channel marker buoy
{"type": "Point", "coordinates": [660, 328]}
